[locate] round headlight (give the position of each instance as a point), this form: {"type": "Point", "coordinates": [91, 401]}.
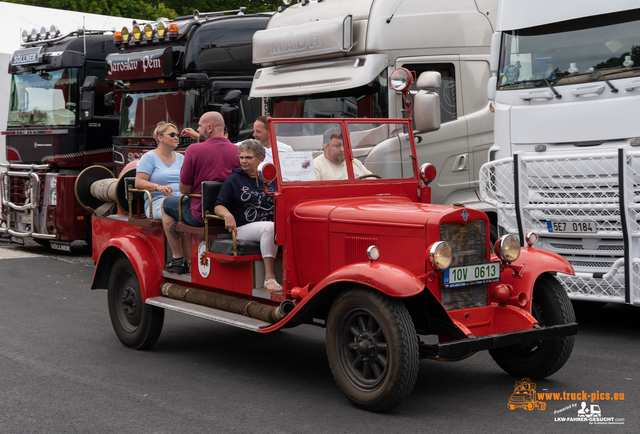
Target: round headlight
{"type": "Point", "coordinates": [148, 31]}
{"type": "Point", "coordinates": [508, 248]}
{"type": "Point", "coordinates": [34, 34]}
{"type": "Point", "coordinates": [400, 80]}
{"type": "Point", "coordinates": [43, 32]}
{"type": "Point", "coordinates": [136, 32]}
{"type": "Point", "coordinates": [161, 29]}
{"type": "Point", "coordinates": [25, 36]}
{"type": "Point", "coordinates": [441, 255]}
{"type": "Point", "coordinates": [54, 31]}
{"type": "Point", "coordinates": [126, 34]}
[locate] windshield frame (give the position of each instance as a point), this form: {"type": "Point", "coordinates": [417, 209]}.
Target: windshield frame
{"type": "Point", "coordinates": [381, 97]}
{"type": "Point", "coordinates": [146, 95]}
{"type": "Point", "coordinates": [66, 101]}
{"type": "Point", "coordinates": [547, 47]}
{"type": "Point", "coordinates": [344, 125]}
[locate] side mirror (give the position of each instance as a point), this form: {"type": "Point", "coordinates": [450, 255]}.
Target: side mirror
{"type": "Point", "coordinates": [90, 82]}
{"type": "Point", "coordinates": [429, 80]}
{"type": "Point", "coordinates": [232, 97]}
{"type": "Point", "coordinates": [427, 102]}
{"type": "Point", "coordinates": [87, 97]}
{"type": "Point", "coordinates": [267, 172]}
{"type": "Point", "coordinates": [109, 99]}
{"type": "Point", "coordinates": [494, 58]}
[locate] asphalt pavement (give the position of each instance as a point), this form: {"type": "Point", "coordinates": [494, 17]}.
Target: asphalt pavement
{"type": "Point", "coordinates": [62, 370]}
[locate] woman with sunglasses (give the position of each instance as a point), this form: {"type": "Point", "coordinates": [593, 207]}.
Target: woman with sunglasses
{"type": "Point", "coordinates": [247, 210]}
{"type": "Point", "coordinates": [158, 171]}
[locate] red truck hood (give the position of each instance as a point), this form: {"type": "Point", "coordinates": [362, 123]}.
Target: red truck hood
{"type": "Point", "coordinates": [397, 216]}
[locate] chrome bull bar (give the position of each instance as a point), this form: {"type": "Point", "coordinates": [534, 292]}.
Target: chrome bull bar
{"type": "Point", "coordinates": [28, 171]}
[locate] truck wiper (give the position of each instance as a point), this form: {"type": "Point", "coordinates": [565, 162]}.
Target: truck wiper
{"type": "Point", "coordinates": [536, 80]}
{"type": "Point", "coordinates": [48, 126]}
{"type": "Point", "coordinates": [613, 88]}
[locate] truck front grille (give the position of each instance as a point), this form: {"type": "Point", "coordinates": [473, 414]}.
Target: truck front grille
{"type": "Point", "coordinates": [468, 244]}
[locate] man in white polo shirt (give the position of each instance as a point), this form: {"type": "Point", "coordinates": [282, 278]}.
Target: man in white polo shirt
{"type": "Point", "coordinates": [261, 134]}
{"type": "Point", "coordinates": [331, 165]}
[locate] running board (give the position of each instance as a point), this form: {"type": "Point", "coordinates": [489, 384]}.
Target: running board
{"type": "Point", "coordinates": [217, 315]}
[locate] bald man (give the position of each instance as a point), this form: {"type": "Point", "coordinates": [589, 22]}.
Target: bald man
{"type": "Point", "coordinates": [212, 159]}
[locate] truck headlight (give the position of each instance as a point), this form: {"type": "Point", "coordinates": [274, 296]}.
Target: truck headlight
{"type": "Point", "coordinates": [508, 248]}
{"type": "Point", "coordinates": [53, 190]}
{"type": "Point", "coordinates": [440, 255]}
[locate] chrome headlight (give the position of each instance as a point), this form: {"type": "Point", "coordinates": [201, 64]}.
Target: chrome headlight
{"type": "Point", "coordinates": [440, 255]}
{"type": "Point", "coordinates": [508, 248]}
{"type": "Point", "coordinates": [53, 190]}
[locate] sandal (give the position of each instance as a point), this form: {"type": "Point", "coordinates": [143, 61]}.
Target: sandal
{"type": "Point", "coordinates": [278, 287]}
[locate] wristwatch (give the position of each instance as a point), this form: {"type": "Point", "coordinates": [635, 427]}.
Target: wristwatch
{"type": "Point", "coordinates": [157, 185]}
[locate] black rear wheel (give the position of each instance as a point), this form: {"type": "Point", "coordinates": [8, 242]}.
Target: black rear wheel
{"type": "Point", "coordinates": [372, 349]}
{"type": "Point", "coordinates": [137, 325]}
{"type": "Point", "coordinates": [550, 306]}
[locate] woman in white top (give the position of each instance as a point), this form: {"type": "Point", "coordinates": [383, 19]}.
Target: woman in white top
{"type": "Point", "coordinates": [159, 170]}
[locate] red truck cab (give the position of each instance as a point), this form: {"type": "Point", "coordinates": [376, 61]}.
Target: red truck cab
{"type": "Point", "coordinates": [368, 257]}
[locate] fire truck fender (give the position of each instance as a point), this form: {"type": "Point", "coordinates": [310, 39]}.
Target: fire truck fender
{"type": "Point", "coordinates": [531, 264]}
{"type": "Point", "coordinates": [389, 279]}
{"type": "Point", "coordinates": [142, 257]}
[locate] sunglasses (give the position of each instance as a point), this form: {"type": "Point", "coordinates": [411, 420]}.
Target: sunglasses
{"type": "Point", "coordinates": [171, 134]}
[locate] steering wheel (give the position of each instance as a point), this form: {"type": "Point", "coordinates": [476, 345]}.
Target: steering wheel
{"type": "Point", "coordinates": [370, 175]}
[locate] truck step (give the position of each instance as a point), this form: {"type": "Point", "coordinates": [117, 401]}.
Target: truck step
{"type": "Point", "coordinates": [217, 315]}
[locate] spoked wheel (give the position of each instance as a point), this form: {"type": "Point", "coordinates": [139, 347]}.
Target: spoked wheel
{"type": "Point", "coordinates": [372, 349]}
{"type": "Point", "coordinates": [136, 324]}
{"type": "Point", "coordinates": [550, 306]}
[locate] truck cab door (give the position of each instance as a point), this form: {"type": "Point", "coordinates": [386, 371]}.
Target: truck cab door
{"type": "Point", "coordinates": [448, 148]}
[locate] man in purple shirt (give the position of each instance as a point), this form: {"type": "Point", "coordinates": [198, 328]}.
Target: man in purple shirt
{"type": "Point", "coordinates": [212, 159]}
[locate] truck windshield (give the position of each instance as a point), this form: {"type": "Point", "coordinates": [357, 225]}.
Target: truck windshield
{"type": "Point", "coordinates": [46, 98]}
{"type": "Point", "coordinates": [369, 101]}
{"type": "Point", "coordinates": [141, 111]}
{"type": "Point", "coordinates": [570, 52]}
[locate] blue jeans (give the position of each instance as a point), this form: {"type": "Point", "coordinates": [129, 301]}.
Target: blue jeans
{"type": "Point", "coordinates": [170, 207]}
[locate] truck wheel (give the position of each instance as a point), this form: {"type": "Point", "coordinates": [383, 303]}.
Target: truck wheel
{"type": "Point", "coordinates": [550, 306]}
{"type": "Point", "coordinates": [137, 325]}
{"type": "Point", "coordinates": [372, 349]}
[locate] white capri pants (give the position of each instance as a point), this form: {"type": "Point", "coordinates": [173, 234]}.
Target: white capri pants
{"type": "Point", "coordinates": [263, 232]}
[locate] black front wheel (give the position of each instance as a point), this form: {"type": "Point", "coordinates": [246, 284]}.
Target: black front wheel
{"type": "Point", "coordinates": [550, 306]}
{"type": "Point", "coordinates": [372, 349]}
{"type": "Point", "coordinates": [137, 325]}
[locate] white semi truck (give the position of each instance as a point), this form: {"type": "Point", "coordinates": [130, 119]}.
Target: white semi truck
{"type": "Point", "coordinates": [332, 58]}
{"type": "Point", "coordinates": [566, 164]}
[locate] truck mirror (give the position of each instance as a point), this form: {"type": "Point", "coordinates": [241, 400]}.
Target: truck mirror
{"type": "Point", "coordinates": [429, 80]}
{"type": "Point", "coordinates": [109, 99]}
{"type": "Point", "coordinates": [232, 97]}
{"type": "Point", "coordinates": [90, 82]}
{"type": "Point", "coordinates": [426, 112]}
{"type": "Point", "coordinates": [267, 172]}
{"type": "Point", "coordinates": [127, 101]}
{"type": "Point", "coordinates": [232, 119]}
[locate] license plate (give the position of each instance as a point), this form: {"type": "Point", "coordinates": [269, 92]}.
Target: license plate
{"type": "Point", "coordinates": [17, 240]}
{"type": "Point", "coordinates": [25, 219]}
{"type": "Point", "coordinates": [471, 274]}
{"type": "Point", "coordinates": [572, 227]}
{"type": "Point", "coordinates": [60, 246]}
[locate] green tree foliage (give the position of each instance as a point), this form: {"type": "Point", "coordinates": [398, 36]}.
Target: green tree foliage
{"type": "Point", "coordinates": [150, 10]}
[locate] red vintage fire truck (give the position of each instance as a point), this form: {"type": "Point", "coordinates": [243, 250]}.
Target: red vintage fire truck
{"type": "Point", "coordinates": [368, 258]}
